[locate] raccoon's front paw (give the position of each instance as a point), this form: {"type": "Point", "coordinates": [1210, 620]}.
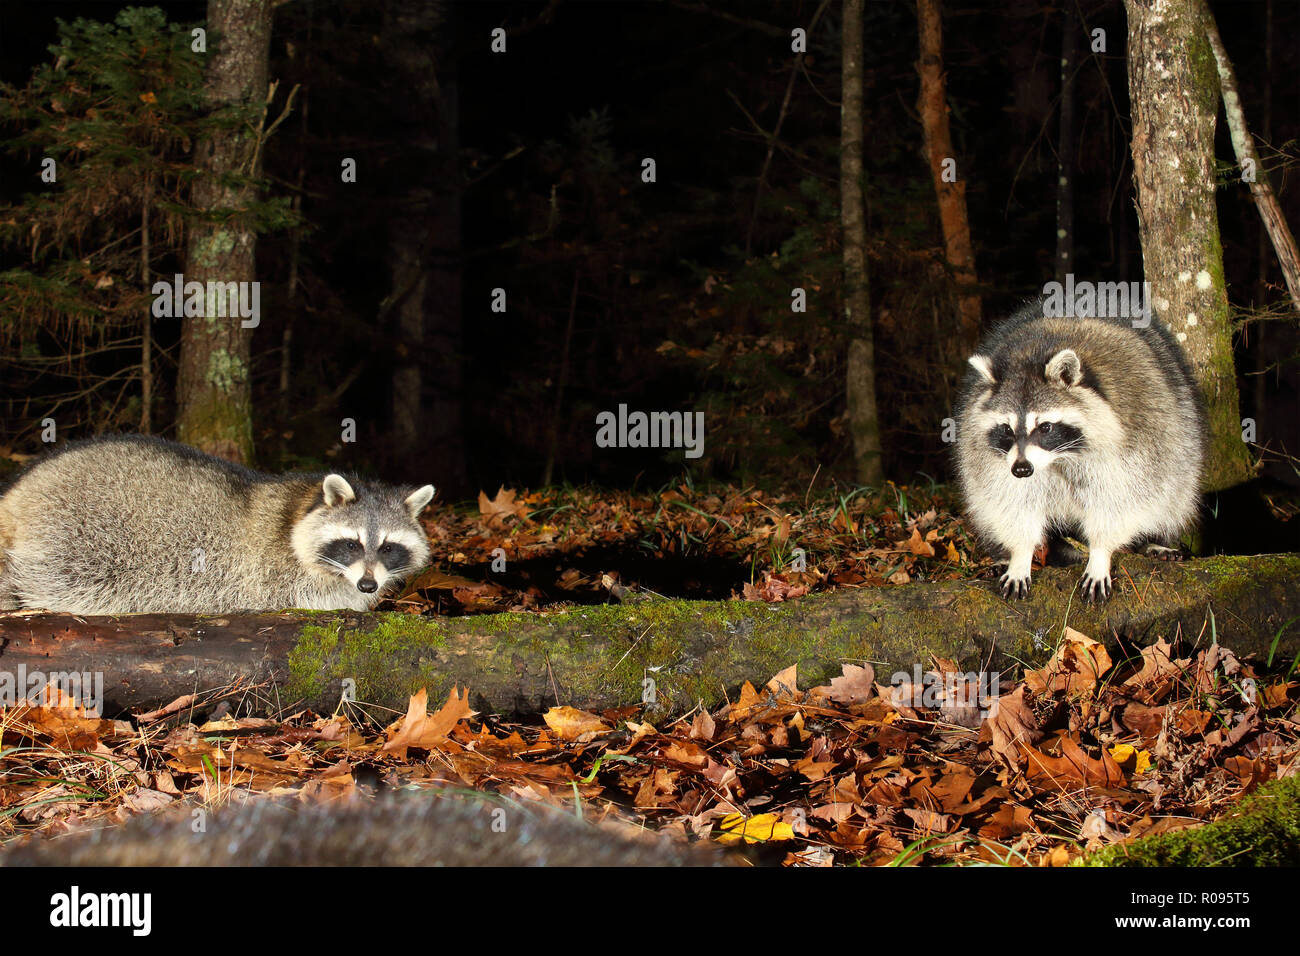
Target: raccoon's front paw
{"type": "Point", "coordinates": [1095, 589]}
{"type": "Point", "coordinates": [1014, 587]}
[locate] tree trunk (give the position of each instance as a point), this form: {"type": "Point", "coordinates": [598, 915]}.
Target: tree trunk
{"type": "Point", "coordinates": [932, 106]}
{"type": "Point", "coordinates": [408, 241]}
{"type": "Point", "coordinates": [667, 654]}
{"type": "Point", "coordinates": [1067, 145]}
{"type": "Point", "coordinates": [146, 338]}
{"type": "Point", "coordinates": [860, 379]}
{"type": "Point", "coordinates": [1244, 146]}
{"type": "Point", "coordinates": [1174, 99]}
{"type": "Point", "coordinates": [213, 392]}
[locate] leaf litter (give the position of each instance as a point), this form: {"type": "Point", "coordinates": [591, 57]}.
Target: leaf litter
{"type": "Point", "coordinates": [1081, 753]}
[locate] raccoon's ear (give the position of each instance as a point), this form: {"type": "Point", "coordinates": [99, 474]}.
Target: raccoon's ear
{"type": "Point", "coordinates": [337, 491]}
{"type": "Point", "coordinates": [418, 499]}
{"type": "Point", "coordinates": [984, 365]}
{"type": "Point", "coordinates": [1064, 369]}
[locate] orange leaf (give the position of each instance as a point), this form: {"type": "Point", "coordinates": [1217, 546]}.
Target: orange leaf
{"type": "Point", "coordinates": [919, 546]}
{"type": "Point", "coordinates": [1076, 667]}
{"type": "Point", "coordinates": [424, 730]}
{"type": "Point", "coordinates": [503, 506]}
{"type": "Point", "coordinates": [569, 723]}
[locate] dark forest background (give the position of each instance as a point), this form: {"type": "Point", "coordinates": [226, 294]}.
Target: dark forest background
{"type": "Point", "coordinates": [521, 171]}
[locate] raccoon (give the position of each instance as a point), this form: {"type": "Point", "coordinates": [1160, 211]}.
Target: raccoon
{"type": "Point", "coordinates": [1080, 426]}
{"type": "Point", "coordinates": [391, 831]}
{"type": "Point", "coordinates": [134, 524]}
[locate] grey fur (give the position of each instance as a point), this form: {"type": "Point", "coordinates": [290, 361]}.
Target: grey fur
{"type": "Point", "coordinates": [412, 830]}
{"type": "Point", "coordinates": [133, 524]}
{"type": "Point", "coordinates": [1132, 474]}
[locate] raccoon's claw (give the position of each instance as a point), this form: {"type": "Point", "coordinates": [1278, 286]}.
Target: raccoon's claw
{"type": "Point", "coordinates": [1014, 587]}
{"type": "Point", "coordinates": [1164, 554]}
{"type": "Point", "coordinates": [1095, 590]}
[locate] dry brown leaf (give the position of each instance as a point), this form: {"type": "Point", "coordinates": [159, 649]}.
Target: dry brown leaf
{"type": "Point", "coordinates": [918, 545]}
{"type": "Point", "coordinates": [686, 752]}
{"type": "Point", "coordinates": [703, 727]}
{"type": "Point", "coordinates": [742, 709]}
{"type": "Point", "coordinates": [496, 510]}
{"type": "Point", "coordinates": [952, 789]}
{"type": "Point", "coordinates": [569, 723]}
{"type": "Point", "coordinates": [927, 821]}
{"type": "Point", "coordinates": [1143, 720]}
{"type": "Point", "coordinates": [1077, 666]}
{"type": "Point", "coordinates": [1072, 768]}
{"type": "Point", "coordinates": [1010, 820]}
{"type": "Point", "coordinates": [1011, 724]}
{"type": "Point", "coordinates": [1157, 663]}
{"type": "Point", "coordinates": [424, 730]}
{"type": "Point", "coordinates": [855, 684]}
{"type": "Point", "coordinates": [785, 685]}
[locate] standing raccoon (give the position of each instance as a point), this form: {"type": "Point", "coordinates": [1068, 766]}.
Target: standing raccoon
{"type": "Point", "coordinates": [133, 524]}
{"type": "Point", "coordinates": [1080, 426]}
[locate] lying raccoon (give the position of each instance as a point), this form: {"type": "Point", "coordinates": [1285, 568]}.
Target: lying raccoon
{"type": "Point", "coordinates": [1080, 426]}
{"type": "Point", "coordinates": [133, 524]}
{"type": "Point", "coordinates": [395, 831]}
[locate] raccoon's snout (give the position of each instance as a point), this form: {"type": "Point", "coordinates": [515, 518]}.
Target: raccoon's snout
{"type": "Point", "coordinates": [1022, 468]}
{"type": "Point", "coordinates": [367, 585]}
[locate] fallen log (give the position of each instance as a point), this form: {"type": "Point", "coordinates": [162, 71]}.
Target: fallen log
{"type": "Point", "coordinates": [668, 654]}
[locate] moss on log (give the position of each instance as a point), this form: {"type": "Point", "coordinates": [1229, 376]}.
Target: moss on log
{"type": "Point", "coordinates": [668, 654]}
{"type": "Point", "coordinates": [1262, 830]}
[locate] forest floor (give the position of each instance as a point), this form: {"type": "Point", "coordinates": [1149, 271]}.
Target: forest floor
{"type": "Point", "coordinates": [539, 550]}
{"type": "Point", "coordinates": [1083, 753]}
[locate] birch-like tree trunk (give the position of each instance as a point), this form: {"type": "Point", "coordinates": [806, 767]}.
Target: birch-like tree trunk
{"type": "Point", "coordinates": [1174, 100]}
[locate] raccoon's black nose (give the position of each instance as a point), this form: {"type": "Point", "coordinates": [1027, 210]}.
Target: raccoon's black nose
{"type": "Point", "coordinates": [367, 585]}
{"type": "Point", "coordinates": [1022, 469]}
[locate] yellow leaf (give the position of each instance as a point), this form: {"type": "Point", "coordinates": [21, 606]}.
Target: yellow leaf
{"type": "Point", "coordinates": [1130, 758]}
{"type": "Point", "coordinates": [762, 828]}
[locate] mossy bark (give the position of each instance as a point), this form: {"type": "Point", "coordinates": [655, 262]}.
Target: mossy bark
{"type": "Point", "coordinates": [213, 389]}
{"type": "Point", "coordinates": [669, 655]}
{"type": "Point", "coordinates": [1174, 92]}
{"type": "Point", "coordinates": [1263, 830]}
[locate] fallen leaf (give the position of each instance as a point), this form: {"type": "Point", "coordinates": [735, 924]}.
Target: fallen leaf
{"type": "Point", "coordinates": [569, 723]}
{"type": "Point", "coordinates": [1076, 667]}
{"type": "Point", "coordinates": [918, 545]}
{"type": "Point", "coordinates": [1011, 724]}
{"type": "Point", "coordinates": [496, 510]}
{"type": "Point", "coordinates": [857, 682]}
{"type": "Point", "coordinates": [760, 828]}
{"type": "Point", "coordinates": [424, 730]}
{"type": "Point", "coordinates": [1071, 768]}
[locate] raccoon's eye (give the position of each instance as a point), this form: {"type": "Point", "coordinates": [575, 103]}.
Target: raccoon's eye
{"type": "Point", "coordinates": [385, 549]}
{"type": "Point", "coordinates": [354, 546]}
{"type": "Point", "coordinates": [1002, 437]}
{"type": "Point", "coordinates": [1045, 428]}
